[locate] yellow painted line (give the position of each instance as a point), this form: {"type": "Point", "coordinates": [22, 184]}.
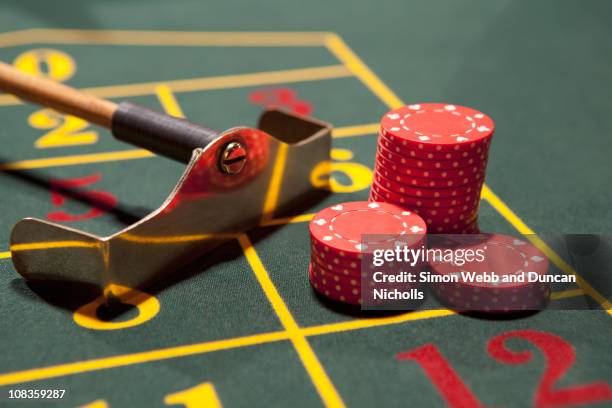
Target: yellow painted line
{"type": "Point", "coordinates": [520, 226]}
{"type": "Point", "coordinates": [278, 170]}
{"type": "Point", "coordinates": [161, 38]}
{"type": "Point", "coordinates": [359, 130]}
{"type": "Point", "coordinates": [35, 246]}
{"type": "Point", "coordinates": [5, 255]}
{"type": "Point", "coordinates": [338, 47]}
{"type": "Point", "coordinates": [210, 83]}
{"type": "Point", "coordinates": [76, 159]}
{"type": "Point", "coordinates": [375, 322]}
{"type": "Point", "coordinates": [287, 220]}
{"type": "Point", "coordinates": [168, 101]}
{"type": "Point", "coordinates": [137, 358]}
{"type": "Point", "coordinates": [313, 366]}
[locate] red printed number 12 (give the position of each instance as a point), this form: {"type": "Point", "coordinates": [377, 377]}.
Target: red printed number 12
{"type": "Point", "coordinates": [559, 356]}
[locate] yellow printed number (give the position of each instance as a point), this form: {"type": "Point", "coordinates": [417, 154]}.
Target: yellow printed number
{"type": "Point", "coordinates": [50, 63]}
{"type": "Point", "coordinates": [65, 130]}
{"type": "Point", "coordinates": [200, 396]}
{"type": "Point", "coordinates": [359, 176]}
{"type": "Point", "coordinates": [146, 305]}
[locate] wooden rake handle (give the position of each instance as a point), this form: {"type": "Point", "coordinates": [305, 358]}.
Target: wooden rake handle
{"type": "Point", "coordinates": [172, 137]}
{"type": "Point", "coordinates": [58, 96]}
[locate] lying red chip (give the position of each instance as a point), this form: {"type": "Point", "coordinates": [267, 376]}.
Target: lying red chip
{"type": "Point", "coordinates": [504, 255]}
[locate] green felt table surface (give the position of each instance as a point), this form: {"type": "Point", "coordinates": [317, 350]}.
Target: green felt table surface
{"type": "Point", "coordinates": [242, 330]}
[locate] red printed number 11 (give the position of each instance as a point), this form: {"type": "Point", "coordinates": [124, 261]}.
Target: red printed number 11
{"type": "Point", "coordinates": [559, 356]}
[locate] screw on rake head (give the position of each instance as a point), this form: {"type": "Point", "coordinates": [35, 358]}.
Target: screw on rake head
{"type": "Point", "coordinates": [233, 158]}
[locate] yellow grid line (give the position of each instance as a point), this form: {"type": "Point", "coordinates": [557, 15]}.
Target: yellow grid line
{"type": "Point", "coordinates": [163, 38]}
{"type": "Point", "coordinates": [313, 366]}
{"type": "Point", "coordinates": [278, 171]}
{"type": "Point", "coordinates": [357, 130]}
{"type": "Point", "coordinates": [76, 159]}
{"type": "Point", "coordinates": [168, 101]}
{"type": "Point", "coordinates": [210, 83]}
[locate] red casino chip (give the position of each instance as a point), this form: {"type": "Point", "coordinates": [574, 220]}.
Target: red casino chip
{"type": "Point", "coordinates": [404, 200]}
{"type": "Point", "coordinates": [399, 159]}
{"type": "Point", "coordinates": [437, 127]}
{"type": "Point", "coordinates": [429, 173]}
{"type": "Point", "coordinates": [429, 183]}
{"type": "Point", "coordinates": [427, 192]}
{"type": "Point", "coordinates": [340, 228]}
{"type": "Point", "coordinates": [504, 256]}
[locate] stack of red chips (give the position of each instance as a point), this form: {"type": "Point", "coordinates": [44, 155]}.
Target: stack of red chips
{"type": "Point", "coordinates": [431, 159]}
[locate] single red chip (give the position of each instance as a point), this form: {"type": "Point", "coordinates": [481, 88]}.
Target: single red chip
{"type": "Point", "coordinates": [507, 278]}
{"type": "Point", "coordinates": [448, 224]}
{"type": "Point", "coordinates": [342, 226]}
{"type": "Point", "coordinates": [404, 200]}
{"type": "Point", "coordinates": [466, 211]}
{"type": "Point", "coordinates": [437, 127]}
{"type": "Point", "coordinates": [445, 224]}
{"type": "Point", "coordinates": [400, 188]}
{"type": "Point", "coordinates": [400, 147]}
{"type": "Point", "coordinates": [430, 182]}
{"type": "Point", "coordinates": [430, 173]}
{"type": "Point", "coordinates": [426, 163]}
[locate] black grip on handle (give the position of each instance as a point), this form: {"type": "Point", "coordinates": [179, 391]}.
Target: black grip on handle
{"type": "Point", "coordinates": [166, 135]}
